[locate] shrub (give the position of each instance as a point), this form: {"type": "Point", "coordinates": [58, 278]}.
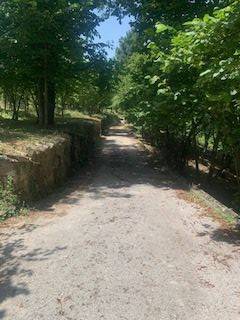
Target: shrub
{"type": "Point", "coordinates": [10, 204]}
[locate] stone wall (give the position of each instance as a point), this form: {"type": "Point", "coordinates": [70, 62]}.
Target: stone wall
{"type": "Point", "coordinates": [49, 164]}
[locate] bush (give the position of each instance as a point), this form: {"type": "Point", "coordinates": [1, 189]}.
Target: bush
{"type": "Point", "coordinates": [10, 204]}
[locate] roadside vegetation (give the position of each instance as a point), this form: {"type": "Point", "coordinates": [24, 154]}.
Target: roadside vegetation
{"type": "Point", "coordinates": [177, 80]}
{"type": "Point", "coordinates": [10, 203]}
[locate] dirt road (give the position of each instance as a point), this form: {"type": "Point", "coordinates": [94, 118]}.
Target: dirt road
{"type": "Point", "coordinates": [119, 244]}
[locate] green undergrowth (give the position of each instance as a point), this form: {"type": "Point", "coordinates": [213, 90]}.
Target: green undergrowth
{"type": "Point", "coordinates": [10, 203]}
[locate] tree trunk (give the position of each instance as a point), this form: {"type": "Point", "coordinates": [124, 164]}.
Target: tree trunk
{"type": "Point", "coordinates": [41, 109]}
{"type": "Point", "coordinates": [14, 115]}
{"type": "Point", "coordinates": [5, 101]}
{"type": "Point", "coordinates": [63, 106]}
{"type": "Point", "coordinates": [47, 102]}
{"type": "Point", "coordinates": [51, 103]}
{"type": "Point", "coordinates": [196, 155]}
{"type": "Point", "coordinates": [35, 100]}
{"type": "Point", "coordinates": [214, 155]}
{"type": "Point", "coordinates": [14, 107]}
{"type": "Point", "coordinates": [47, 93]}
{"type": "Point", "coordinates": [16, 103]}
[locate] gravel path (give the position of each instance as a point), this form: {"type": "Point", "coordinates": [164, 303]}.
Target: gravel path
{"type": "Point", "coordinates": [119, 244]}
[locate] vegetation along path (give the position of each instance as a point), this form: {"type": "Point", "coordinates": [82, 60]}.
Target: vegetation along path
{"type": "Point", "coordinates": [119, 244]}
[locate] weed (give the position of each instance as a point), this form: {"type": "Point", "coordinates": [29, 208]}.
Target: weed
{"type": "Point", "coordinates": [10, 204]}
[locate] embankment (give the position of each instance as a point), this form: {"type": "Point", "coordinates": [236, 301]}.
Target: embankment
{"type": "Point", "coordinates": [49, 162]}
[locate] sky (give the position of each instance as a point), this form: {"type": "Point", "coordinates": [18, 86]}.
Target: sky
{"type": "Point", "coordinates": [112, 31]}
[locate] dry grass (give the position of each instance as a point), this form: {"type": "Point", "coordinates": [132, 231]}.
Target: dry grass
{"type": "Point", "coordinates": [226, 220]}
{"type": "Point", "coordinates": [20, 138]}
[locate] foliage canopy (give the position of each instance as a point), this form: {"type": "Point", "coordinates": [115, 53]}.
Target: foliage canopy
{"type": "Point", "coordinates": [183, 88]}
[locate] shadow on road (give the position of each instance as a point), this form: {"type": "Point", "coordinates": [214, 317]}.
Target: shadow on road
{"type": "Point", "coordinates": [13, 252]}
{"type": "Point", "coordinates": [120, 163]}
{"type": "Point", "coordinates": [231, 236]}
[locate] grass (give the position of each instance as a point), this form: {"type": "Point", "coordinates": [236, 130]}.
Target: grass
{"type": "Point", "coordinates": [214, 209]}
{"type": "Point", "coordinates": [19, 138]}
{"type": "Point", "coordinates": [227, 219]}
{"type": "Point", "coordinates": [74, 114]}
{"type": "Point", "coordinates": [16, 138]}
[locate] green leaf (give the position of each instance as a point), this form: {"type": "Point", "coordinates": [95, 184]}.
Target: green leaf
{"type": "Point", "coordinates": [160, 27]}
{"type": "Point", "coordinates": [234, 92]}
{"type": "Point", "coordinates": [162, 91]}
{"type": "Point", "coordinates": [205, 73]}
{"type": "Point", "coordinates": [154, 79]}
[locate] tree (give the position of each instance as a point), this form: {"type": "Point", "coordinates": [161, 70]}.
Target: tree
{"type": "Point", "coordinates": [45, 43]}
{"type": "Point", "coordinates": [149, 12]}
{"type": "Point", "coordinates": [190, 88]}
{"type": "Point", "coordinates": [127, 46]}
{"type": "Point", "coordinates": [92, 92]}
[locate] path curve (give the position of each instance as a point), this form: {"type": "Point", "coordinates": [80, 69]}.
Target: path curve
{"type": "Point", "coordinates": [119, 244]}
